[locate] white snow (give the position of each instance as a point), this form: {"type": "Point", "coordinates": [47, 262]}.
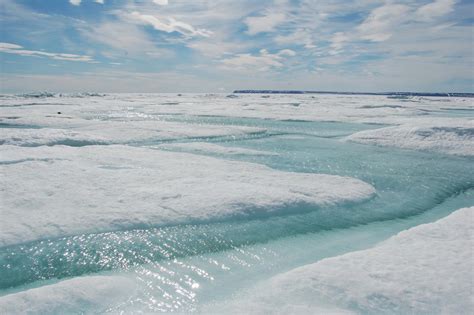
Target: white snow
{"type": "Point", "coordinates": [61, 190]}
{"type": "Point", "coordinates": [424, 270]}
{"type": "Point", "coordinates": [451, 137]}
{"type": "Point", "coordinates": [113, 132]}
{"type": "Point", "coordinates": [419, 122]}
{"type": "Point", "coordinates": [321, 107]}
{"type": "Point", "coordinates": [206, 147]}
{"type": "Point", "coordinates": [47, 136]}
{"type": "Point", "coordinates": [94, 294]}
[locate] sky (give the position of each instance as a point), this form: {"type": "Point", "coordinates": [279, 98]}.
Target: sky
{"type": "Point", "coordinates": [222, 45]}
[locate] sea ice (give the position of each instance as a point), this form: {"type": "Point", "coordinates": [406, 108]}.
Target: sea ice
{"type": "Point", "coordinates": [424, 270]}
{"type": "Point", "coordinates": [445, 136]}
{"type": "Point", "coordinates": [70, 164]}
{"type": "Point", "coordinates": [61, 190]}
{"type": "Point", "coordinates": [47, 136]}
{"type": "Point", "coordinates": [94, 293]}
{"type": "Point", "coordinates": [111, 132]}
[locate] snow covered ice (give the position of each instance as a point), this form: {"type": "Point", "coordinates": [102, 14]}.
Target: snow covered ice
{"type": "Point", "coordinates": [401, 275]}
{"type": "Point", "coordinates": [206, 203]}
{"type": "Point", "coordinates": [161, 188]}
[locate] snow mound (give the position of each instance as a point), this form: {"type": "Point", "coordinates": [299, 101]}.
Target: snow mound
{"type": "Point", "coordinates": [77, 132]}
{"type": "Point", "coordinates": [206, 147]}
{"type": "Point", "coordinates": [86, 294]}
{"type": "Point", "coordinates": [38, 137]}
{"type": "Point", "coordinates": [455, 138]}
{"type": "Point", "coordinates": [423, 270]}
{"type": "Point", "coordinates": [60, 190]}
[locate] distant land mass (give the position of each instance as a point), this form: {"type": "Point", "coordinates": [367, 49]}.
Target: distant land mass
{"type": "Point", "coordinates": [394, 94]}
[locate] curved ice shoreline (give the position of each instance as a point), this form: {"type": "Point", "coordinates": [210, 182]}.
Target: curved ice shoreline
{"type": "Point", "coordinates": [424, 270]}
{"type": "Point", "coordinates": [60, 190]}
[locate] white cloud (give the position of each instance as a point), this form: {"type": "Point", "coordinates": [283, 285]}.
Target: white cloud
{"type": "Point", "coordinates": [168, 25]}
{"type": "Point", "coordinates": [262, 62]}
{"type": "Point", "coordinates": [299, 36]}
{"type": "Point", "coordinates": [213, 48]}
{"type": "Point", "coordinates": [161, 2]}
{"type": "Point", "coordinates": [78, 2]}
{"type": "Point", "coordinates": [287, 52]}
{"type": "Point", "coordinates": [128, 40]}
{"type": "Point", "coordinates": [17, 50]}
{"type": "Point", "coordinates": [435, 9]}
{"type": "Point", "coordinates": [8, 46]}
{"type": "Point", "coordinates": [338, 40]}
{"type": "Point", "coordinates": [395, 28]}
{"type": "Point", "coordinates": [265, 23]}
{"type": "Point", "coordinates": [382, 21]}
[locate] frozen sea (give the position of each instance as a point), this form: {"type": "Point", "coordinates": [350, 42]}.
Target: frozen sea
{"type": "Point", "coordinates": [249, 203]}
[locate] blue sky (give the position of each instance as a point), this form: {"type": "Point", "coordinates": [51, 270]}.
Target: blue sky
{"type": "Point", "coordinates": [221, 45]}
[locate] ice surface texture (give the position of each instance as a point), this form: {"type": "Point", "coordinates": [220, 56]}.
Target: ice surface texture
{"type": "Point", "coordinates": [89, 294]}
{"type": "Point", "coordinates": [61, 190]}
{"type": "Point", "coordinates": [79, 132]}
{"type": "Point", "coordinates": [448, 137]}
{"type": "Point", "coordinates": [423, 270]}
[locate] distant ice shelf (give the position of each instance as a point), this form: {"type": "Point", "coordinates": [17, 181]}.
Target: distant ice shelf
{"type": "Point", "coordinates": [396, 94]}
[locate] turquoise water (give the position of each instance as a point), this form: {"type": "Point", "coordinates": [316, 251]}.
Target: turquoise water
{"type": "Point", "coordinates": [184, 267]}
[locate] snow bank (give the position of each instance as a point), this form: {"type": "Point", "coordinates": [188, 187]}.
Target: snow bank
{"type": "Point", "coordinates": [129, 131]}
{"type": "Point", "coordinates": [112, 132]}
{"type": "Point", "coordinates": [205, 147]}
{"type": "Point", "coordinates": [86, 294]}
{"type": "Point", "coordinates": [60, 190]}
{"type": "Point", "coordinates": [451, 137]}
{"type": "Point", "coordinates": [423, 270]}
{"type": "Point", "coordinates": [38, 137]}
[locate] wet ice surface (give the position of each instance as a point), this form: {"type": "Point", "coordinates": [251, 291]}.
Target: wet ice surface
{"type": "Point", "coordinates": [188, 203]}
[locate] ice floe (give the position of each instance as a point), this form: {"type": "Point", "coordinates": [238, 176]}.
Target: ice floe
{"type": "Point", "coordinates": [62, 190]}
{"type": "Point", "coordinates": [424, 270]}
{"type": "Point", "coordinates": [451, 137]}
{"type": "Point", "coordinates": [93, 294]}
